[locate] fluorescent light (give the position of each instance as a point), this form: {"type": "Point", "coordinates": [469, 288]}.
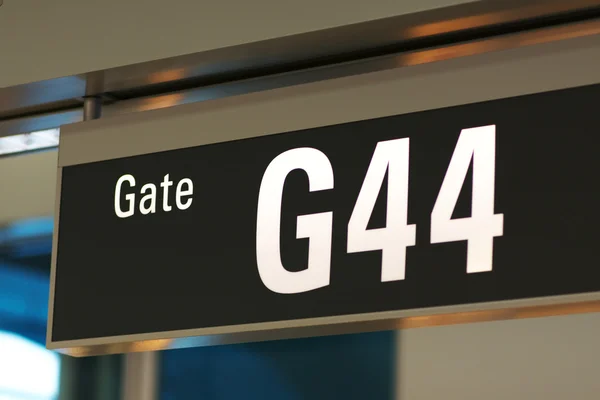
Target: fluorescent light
{"type": "Point", "coordinates": [27, 369]}
{"type": "Point", "coordinates": [29, 141]}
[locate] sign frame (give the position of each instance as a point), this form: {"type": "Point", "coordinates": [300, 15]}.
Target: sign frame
{"type": "Point", "coordinates": [375, 93]}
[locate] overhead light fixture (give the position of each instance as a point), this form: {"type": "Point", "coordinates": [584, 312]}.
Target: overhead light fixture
{"type": "Point", "coordinates": [27, 369]}
{"type": "Point", "coordinates": [27, 142]}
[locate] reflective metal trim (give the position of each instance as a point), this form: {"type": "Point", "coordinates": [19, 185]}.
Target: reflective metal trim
{"type": "Point", "coordinates": [236, 88]}
{"type": "Point", "coordinates": [335, 45]}
{"type": "Point", "coordinates": [507, 310]}
{"type": "Point", "coordinates": [211, 92]}
{"type": "Point", "coordinates": [53, 258]}
{"type": "Point", "coordinates": [140, 376]}
{"type": "Point", "coordinates": [372, 90]}
{"type": "Point", "coordinates": [474, 20]}
{"type": "Point", "coordinates": [39, 122]}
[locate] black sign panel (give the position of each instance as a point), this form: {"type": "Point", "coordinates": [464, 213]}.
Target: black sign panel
{"type": "Point", "coordinates": [476, 203]}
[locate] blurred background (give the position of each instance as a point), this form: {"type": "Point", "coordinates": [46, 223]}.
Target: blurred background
{"type": "Point", "coordinates": [59, 57]}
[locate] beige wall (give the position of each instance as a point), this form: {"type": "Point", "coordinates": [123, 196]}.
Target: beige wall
{"type": "Point", "coordinates": [553, 358]}
{"type": "Point", "coordinates": [27, 186]}
{"type": "Point", "coordinates": [42, 39]}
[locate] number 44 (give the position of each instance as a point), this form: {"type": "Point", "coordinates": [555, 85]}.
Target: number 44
{"type": "Point", "coordinates": [475, 144]}
{"type": "Point", "coordinates": [392, 157]}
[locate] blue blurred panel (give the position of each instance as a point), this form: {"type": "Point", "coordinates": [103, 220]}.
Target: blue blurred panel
{"type": "Point", "coordinates": [23, 294]}
{"type": "Point", "coordinates": [28, 238]}
{"type": "Point", "coordinates": [24, 290]}
{"type": "Point", "coordinates": [357, 366]}
{"type": "Point", "coordinates": [27, 228]}
{"type": "Point", "coordinates": [33, 331]}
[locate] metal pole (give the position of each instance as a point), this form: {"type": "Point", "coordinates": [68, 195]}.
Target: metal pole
{"type": "Point", "coordinates": [140, 372]}
{"type": "Point", "coordinates": [140, 376]}
{"type": "Point", "coordinates": [94, 378]}
{"type": "Point", "coordinates": [92, 107]}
